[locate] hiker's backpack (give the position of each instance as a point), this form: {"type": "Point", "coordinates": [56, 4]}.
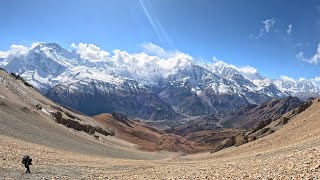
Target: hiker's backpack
{"type": "Point", "coordinates": [25, 159]}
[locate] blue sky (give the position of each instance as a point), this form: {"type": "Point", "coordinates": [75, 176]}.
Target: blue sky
{"type": "Point", "coordinates": [247, 32]}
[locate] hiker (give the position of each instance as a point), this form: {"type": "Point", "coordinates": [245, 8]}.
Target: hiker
{"type": "Point", "coordinates": [27, 161]}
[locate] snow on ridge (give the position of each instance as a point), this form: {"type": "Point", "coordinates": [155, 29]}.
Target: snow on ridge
{"type": "Point", "coordinates": [89, 61]}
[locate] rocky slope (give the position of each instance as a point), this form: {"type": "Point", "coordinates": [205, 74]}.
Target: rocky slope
{"type": "Point", "coordinates": [249, 116]}
{"type": "Point", "coordinates": [268, 126]}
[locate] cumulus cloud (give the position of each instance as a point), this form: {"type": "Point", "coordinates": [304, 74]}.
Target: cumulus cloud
{"type": "Point", "coordinates": [15, 50]}
{"type": "Point", "coordinates": [153, 57]}
{"type": "Point", "coordinates": [90, 51]}
{"type": "Point", "coordinates": [141, 65]}
{"type": "Point", "coordinates": [315, 59]}
{"type": "Point", "coordinates": [289, 30]}
{"type": "Point", "coordinates": [3, 54]}
{"type": "Point", "coordinates": [287, 78]}
{"type": "Point", "coordinates": [248, 70]}
{"type": "Point", "coordinates": [155, 50]}
{"type": "Point", "coordinates": [18, 49]}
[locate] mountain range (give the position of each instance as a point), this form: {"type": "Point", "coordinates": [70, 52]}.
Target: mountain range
{"type": "Point", "coordinates": [147, 87]}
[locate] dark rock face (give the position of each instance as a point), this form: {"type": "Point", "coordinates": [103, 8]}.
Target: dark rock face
{"type": "Point", "coordinates": [196, 91]}
{"type": "Point", "coordinates": [269, 126]}
{"type": "Point", "coordinates": [250, 116]}
{"type": "Point", "coordinates": [241, 139]}
{"type": "Point", "coordinates": [261, 125]}
{"type": "Point", "coordinates": [209, 101]}
{"type": "Point", "coordinates": [94, 100]}
{"type": "Point", "coordinates": [225, 144]}
{"type": "Point", "coordinates": [77, 125]}
{"type": "Point", "coordinates": [121, 118]}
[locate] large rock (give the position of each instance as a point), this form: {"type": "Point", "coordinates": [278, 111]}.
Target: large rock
{"type": "Point", "coordinates": [225, 144]}
{"type": "Point", "coordinates": [261, 125]}
{"type": "Point", "coordinates": [241, 139]}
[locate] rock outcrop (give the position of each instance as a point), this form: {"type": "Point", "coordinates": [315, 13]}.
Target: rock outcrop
{"type": "Point", "coordinates": [251, 116]}
{"type": "Point", "coordinates": [76, 125]}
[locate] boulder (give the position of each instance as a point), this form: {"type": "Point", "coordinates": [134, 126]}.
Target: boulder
{"type": "Point", "coordinates": [241, 139]}
{"type": "Point", "coordinates": [102, 131]}
{"type": "Point", "coordinates": [225, 144]}
{"type": "Point", "coordinates": [304, 106]}
{"type": "Point", "coordinates": [39, 107]}
{"type": "Point", "coordinates": [261, 125]}
{"type": "Point", "coordinates": [252, 138]}
{"type": "Point", "coordinates": [284, 120]}
{"type": "Point", "coordinates": [58, 116]}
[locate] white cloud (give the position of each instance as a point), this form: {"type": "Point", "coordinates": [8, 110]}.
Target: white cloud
{"type": "Point", "coordinates": [143, 65]}
{"type": "Point", "coordinates": [289, 30]}
{"type": "Point", "coordinates": [300, 56]}
{"type": "Point", "coordinates": [155, 50]}
{"type": "Point", "coordinates": [90, 51]}
{"type": "Point", "coordinates": [287, 78]}
{"type": "Point", "coordinates": [248, 70]}
{"type": "Point", "coordinates": [316, 81]}
{"type": "Point", "coordinates": [215, 59]}
{"type": "Point", "coordinates": [153, 57]}
{"type": "Point", "coordinates": [3, 54]}
{"type": "Point", "coordinates": [302, 79]}
{"type": "Point", "coordinates": [315, 59]}
{"type": "Point", "coordinates": [317, 78]}
{"type": "Point", "coordinates": [268, 26]}
{"type": "Point", "coordinates": [15, 50]}
{"type": "Point", "coordinates": [18, 49]}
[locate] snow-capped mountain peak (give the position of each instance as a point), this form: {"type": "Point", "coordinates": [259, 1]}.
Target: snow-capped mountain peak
{"type": "Point", "coordinates": [176, 80]}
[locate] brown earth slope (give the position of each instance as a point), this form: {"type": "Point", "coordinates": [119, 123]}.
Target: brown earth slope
{"type": "Point", "coordinates": [145, 137]}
